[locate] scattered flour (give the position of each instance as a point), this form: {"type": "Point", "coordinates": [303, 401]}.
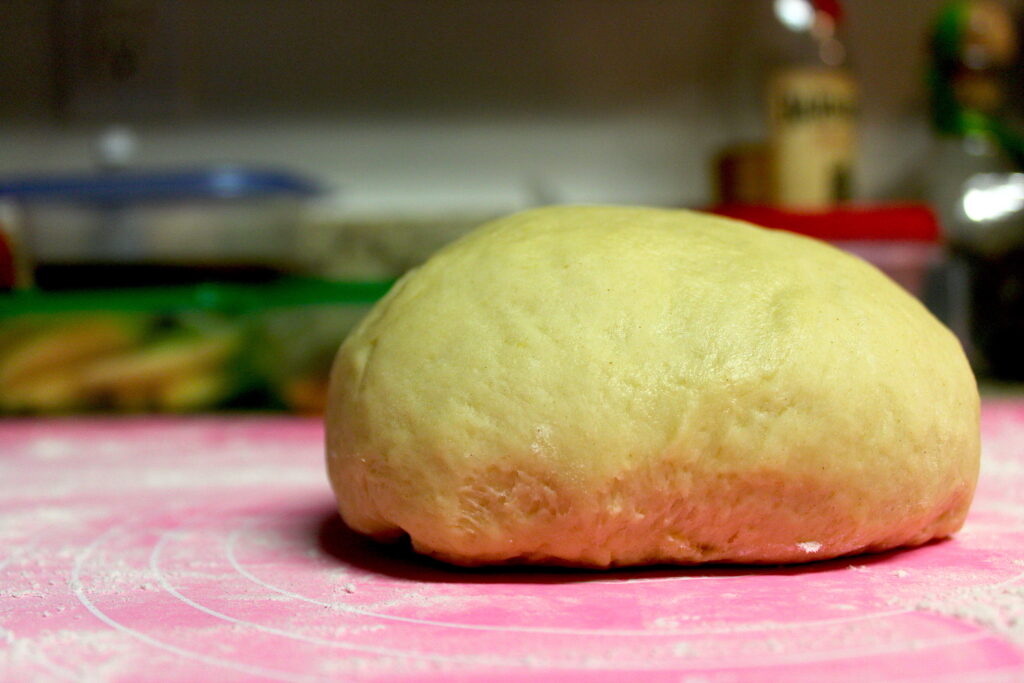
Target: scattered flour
{"type": "Point", "coordinates": [674, 623]}
{"type": "Point", "coordinates": [999, 608]}
{"type": "Point", "coordinates": [52, 449]}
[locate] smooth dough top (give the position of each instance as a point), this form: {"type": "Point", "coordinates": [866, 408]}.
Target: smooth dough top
{"type": "Point", "coordinates": [606, 386]}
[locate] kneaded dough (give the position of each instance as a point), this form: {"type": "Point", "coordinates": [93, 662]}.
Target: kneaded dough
{"type": "Point", "coordinates": [609, 386]}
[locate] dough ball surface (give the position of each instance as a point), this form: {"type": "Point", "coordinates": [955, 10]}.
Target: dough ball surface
{"type": "Point", "coordinates": [610, 386]}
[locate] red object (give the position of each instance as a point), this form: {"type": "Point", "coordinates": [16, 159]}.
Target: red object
{"type": "Point", "coordinates": [7, 272]}
{"type": "Point", "coordinates": [832, 8]}
{"type": "Point", "coordinates": [889, 222]}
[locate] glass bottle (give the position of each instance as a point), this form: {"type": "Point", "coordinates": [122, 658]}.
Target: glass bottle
{"type": "Point", "coordinates": [812, 107]}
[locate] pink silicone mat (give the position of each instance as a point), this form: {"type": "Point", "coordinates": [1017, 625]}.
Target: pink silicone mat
{"type": "Point", "coordinates": [208, 549]}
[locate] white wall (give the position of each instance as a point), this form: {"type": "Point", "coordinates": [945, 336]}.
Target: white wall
{"type": "Point", "coordinates": [590, 100]}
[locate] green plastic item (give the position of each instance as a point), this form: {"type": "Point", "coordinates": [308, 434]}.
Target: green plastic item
{"type": "Point", "coordinates": [948, 116]}
{"type": "Point", "coordinates": [210, 296]}
{"type": "Point", "coordinates": [945, 48]}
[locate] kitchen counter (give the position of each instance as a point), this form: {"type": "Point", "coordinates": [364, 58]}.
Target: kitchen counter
{"type": "Point", "coordinates": [208, 548]}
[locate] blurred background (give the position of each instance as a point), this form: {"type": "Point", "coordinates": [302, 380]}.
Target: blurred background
{"type": "Point", "coordinates": [198, 200]}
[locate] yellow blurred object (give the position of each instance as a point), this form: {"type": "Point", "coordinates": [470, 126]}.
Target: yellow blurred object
{"type": "Point", "coordinates": [48, 391]}
{"type": "Point", "coordinates": [100, 360]}
{"type": "Point", "coordinates": [42, 361]}
{"type": "Point", "coordinates": [192, 392]}
{"type": "Point", "coordinates": [306, 395]}
{"type": "Point", "coordinates": [45, 346]}
{"type": "Point", "coordinates": [212, 345]}
{"type": "Point", "coordinates": [180, 374]}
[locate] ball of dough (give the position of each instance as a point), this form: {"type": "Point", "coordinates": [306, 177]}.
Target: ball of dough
{"type": "Point", "coordinates": [609, 386]}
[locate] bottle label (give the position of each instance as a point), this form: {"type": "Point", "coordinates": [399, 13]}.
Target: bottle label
{"type": "Point", "coordinates": [813, 114]}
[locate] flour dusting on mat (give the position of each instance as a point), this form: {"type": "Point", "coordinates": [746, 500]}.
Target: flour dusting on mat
{"type": "Point", "coordinates": [999, 608]}
{"type": "Point", "coordinates": [147, 548]}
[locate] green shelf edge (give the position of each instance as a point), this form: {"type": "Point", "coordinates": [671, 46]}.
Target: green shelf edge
{"type": "Point", "coordinates": [209, 296]}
